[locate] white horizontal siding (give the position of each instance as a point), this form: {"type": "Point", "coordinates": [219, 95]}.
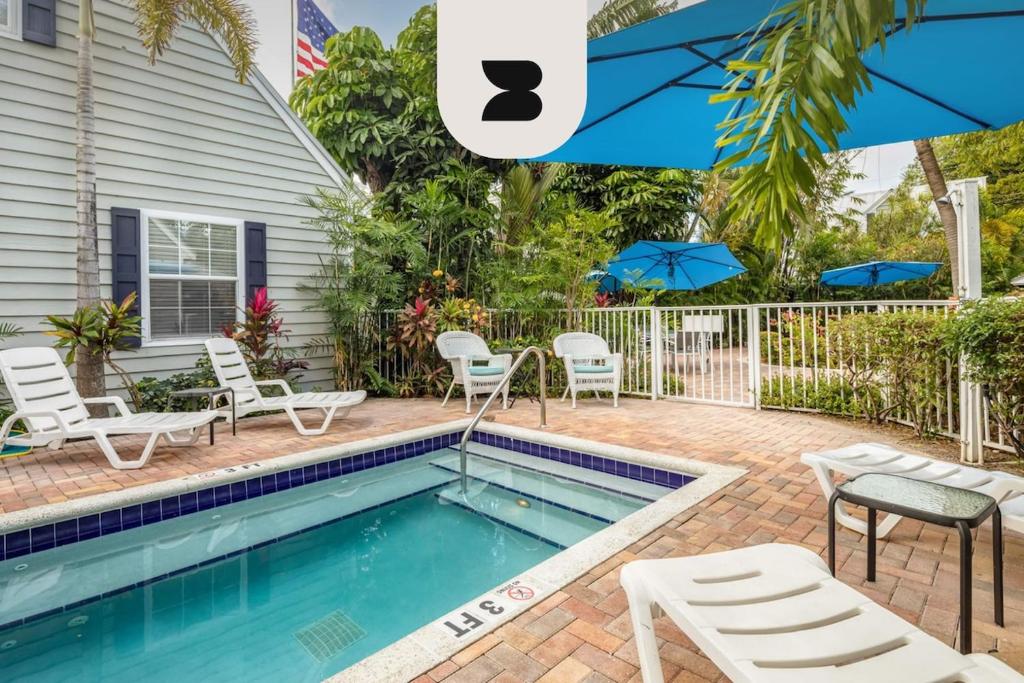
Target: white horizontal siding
{"type": "Point", "coordinates": [182, 135]}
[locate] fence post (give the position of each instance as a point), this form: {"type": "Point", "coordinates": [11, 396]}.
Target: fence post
{"type": "Point", "coordinates": [972, 414]}
{"type": "Point", "coordinates": [754, 353]}
{"type": "Point", "coordinates": [655, 349]}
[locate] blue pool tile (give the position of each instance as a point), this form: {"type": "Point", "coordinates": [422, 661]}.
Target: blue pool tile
{"type": "Point", "coordinates": [169, 508]}
{"type": "Point", "coordinates": [150, 514]}
{"type": "Point", "coordinates": [347, 466]}
{"type": "Point", "coordinates": [110, 522]}
{"type": "Point", "coordinates": [131, 517]}
{"type": "Point", "coordinates": [89, 527]}
{"type": "Point", "coordinates": [309, 474]}
{"type": "Point", "coordinates": [222, 495]}
{"type": "Point", "coordinates": [675, 479]}
{"type": "Point", "coordinates": [633, 471]}
{"type": "Point", "coordinates": [42, 538]}
{"type": "Point", "coordinates": [661, 477]}
{"type": "Point", "coordinates": [323, 471]}
{"type": "Point", "coordinates": [295, 477]}
{"type": "Point", "coordinates": [237, 491]}
{"type": "Point", "coordinates": [252, 488]}
{"type": "Point", "coordinates": [17, 544]}
{"type": "Point", "coordinates": [647, 474]}
{"type": "Point", "coordinates": [66, 532]}
{"type": "Point", "coordinates": [207, 499]}
{"type": "Point", "coordinates": [334, 468]}
{"type": "Point", "coordinates": [269, 483]}
{"type": "Point", "coordinates": [284, 481]}
{"type": "Point", "coordinates": [188, 503]}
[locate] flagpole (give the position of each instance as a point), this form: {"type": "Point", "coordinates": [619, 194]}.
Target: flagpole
{"type": "Point", "coordinates": [295, 39]}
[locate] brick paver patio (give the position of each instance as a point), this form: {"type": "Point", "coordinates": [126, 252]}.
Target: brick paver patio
{"type": "Point", "coordinates": [582, 633]}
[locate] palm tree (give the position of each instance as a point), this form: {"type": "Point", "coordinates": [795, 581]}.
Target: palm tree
{"type": "Point", "coordinates": [937, 184]}
{"type": "Point", "coordinates": [157, 22]}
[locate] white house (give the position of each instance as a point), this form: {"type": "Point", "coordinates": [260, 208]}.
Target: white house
{"type": "Point", "coordinates": [861, 206]}
{"type": "Point", "coordinates": [197, 184]}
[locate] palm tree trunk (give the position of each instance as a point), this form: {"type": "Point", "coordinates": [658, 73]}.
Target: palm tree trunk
{"type": "Point", "coordinates": [89, 377]}
{"type": "Point", "coordinates": [937, 185]}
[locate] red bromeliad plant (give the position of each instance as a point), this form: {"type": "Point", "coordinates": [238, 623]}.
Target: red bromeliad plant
{"type": "Point", "coordinates": [259, 337]}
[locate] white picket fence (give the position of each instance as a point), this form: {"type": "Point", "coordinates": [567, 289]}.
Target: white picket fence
{"type": "Point", "coordinates": [770, 356]}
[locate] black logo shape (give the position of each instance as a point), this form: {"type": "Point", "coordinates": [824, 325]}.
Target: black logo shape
{"type": "Point", "coordinates": [518, 78]}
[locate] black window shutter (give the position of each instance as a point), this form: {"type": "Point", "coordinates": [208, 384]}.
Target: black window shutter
{"type": "Point", "coordinates": [255, 258]}
{"type": "Point", "coordinates": [126, 257]}
{"type": "Point", "coordinates": [39, 21]}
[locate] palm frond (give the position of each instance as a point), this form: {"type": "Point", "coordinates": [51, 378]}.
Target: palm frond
{"type": "Point", "coordinates": [8, 330]}
{"type": "Point", "coordinates": [618, 14]}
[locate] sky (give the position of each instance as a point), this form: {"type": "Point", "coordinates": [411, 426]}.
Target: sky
{"type": "Point", "coordinates": [883, 166]}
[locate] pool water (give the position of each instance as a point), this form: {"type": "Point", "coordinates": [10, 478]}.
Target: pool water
{"type": "Point", "coordinates": [341, 568]}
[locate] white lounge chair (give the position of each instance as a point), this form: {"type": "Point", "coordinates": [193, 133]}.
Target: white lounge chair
{"type": "Point", "coordinates": [876, 457]}
{"type": "Point", "coordinates": [589, 365]}
{"type": "Point", "coordinates": [46, 401]}
{"type": "Point", "coordinates": [462, 350]}
{"type": "Point", "coordinates": [773, 614]}
{"type": "Point", "coordinates": [232, 371]}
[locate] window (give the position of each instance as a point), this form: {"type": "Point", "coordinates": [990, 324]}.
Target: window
{"type": "Point", "coordinates": [191, 268]}
{"type": "Point", "coordinates": [9, 25]}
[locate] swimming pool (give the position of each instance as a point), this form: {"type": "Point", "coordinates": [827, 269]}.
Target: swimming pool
{"type": "Point", "coordinates": [296, 574]}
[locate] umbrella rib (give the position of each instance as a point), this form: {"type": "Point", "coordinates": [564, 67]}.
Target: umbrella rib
{"type": "Point", "coordinates": [928, 98]}
{"type": "Point", "coordinates": [664, 86]}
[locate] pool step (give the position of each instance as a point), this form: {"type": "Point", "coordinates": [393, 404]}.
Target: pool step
{"type": "Point", "coordinates": [537, 519]}
{"type": "Point", "coordinates": [644, 491]}
{"type": "Point", "coordinates": [602, 505]}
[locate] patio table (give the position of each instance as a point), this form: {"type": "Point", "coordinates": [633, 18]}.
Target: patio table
{"type": "Point", "coordinates": [933, 503]}
{"type": "Point", "coordinates": [515, 352]}
{"type": "Point", "coordinates": [211, 394]}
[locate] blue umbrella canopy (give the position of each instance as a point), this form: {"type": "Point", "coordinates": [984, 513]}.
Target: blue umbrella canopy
{"type": "Point", "coordinates": [648, 85]}
{"type": "Point", "coordinates": [878, 273]}
{"type": "Point", "coordinates": [606, 282]}
{"type": "Point", "coordinates": [675, 265]}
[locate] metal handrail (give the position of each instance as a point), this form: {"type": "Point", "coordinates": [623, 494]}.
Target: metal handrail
{"type": "Point", "coordinates": [542, 372]}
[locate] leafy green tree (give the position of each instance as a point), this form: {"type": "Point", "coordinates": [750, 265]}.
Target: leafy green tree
{"type": "Point", "coordinates": [616, 14]}
{"type": "Point", "coordinates": [375, 108]}
{"type": "Point", "coordinates": [157, 21]}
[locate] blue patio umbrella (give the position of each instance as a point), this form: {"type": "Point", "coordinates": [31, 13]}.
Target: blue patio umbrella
{"type": "Point", "coordinates": [675, 265]}
{"type": "Point", "coordinates": [606, 282]}
{"type": "Point", "coordinates": [878, 273]}
{"type": "Point", "coordinates": [648, 85]}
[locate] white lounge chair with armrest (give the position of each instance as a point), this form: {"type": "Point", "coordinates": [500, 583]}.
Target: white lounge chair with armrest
{"type": "Point", "coordinates": [232, 371]}
{"type": "Point", "coordinates": [774, 614]}
{"type": "Point", "coordinates": [474, 367]}
{"type": "Point", "coordinates": [46, 401]}
{"type": "Point", "coordinates": [589, 365]}
{"type": "Point", "coordinates": [862, 458]}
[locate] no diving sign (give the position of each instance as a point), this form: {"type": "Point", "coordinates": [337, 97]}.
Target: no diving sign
{"type": "Point", "coordinates": [495, 606]}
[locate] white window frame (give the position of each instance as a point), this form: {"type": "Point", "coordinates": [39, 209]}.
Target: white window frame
{"type": "Point", "coordinates": [239, 279]}
{"type": "Point", "coordinates": [14, 30]}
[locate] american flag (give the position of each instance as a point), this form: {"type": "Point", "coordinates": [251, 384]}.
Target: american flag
{"type": "Point", "coordinates": [314, 28]}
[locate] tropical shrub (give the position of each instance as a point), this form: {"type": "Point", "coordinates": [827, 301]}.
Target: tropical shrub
{"type": "Point", "coordinates": [259, 338]}
{"type": "Point", "coordinates": [413, 337]}
{"type": "Point", "coordinates": [897, 365]}
{"type": "Point", "coordinates": [989, 336]}
{"type": "Point", "coordinates": [794, 339]}
{"type": "Point", "coordinates": [832, 395]}
{"type": "Point", "coordinates": [100, 330]}
{"type": "Point", "coordinates": [154, 393]}
{"type": "Point", "coordinates": [361, 274]}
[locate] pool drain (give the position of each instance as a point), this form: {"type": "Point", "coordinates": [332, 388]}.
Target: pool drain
{"type": "Point", "coordinates": [80, 620]}
{"type": "Point", "coordinates": [329, 636]}
{"type": "Point", "coordinates": [8, 644]}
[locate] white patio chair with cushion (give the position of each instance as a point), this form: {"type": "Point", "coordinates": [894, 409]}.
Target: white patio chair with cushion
{"type": "Point", "coordinates": [589, 365]}
{"type": "Point", "coordinates": [876, 457]}
{"type": "Point", "coordinates": [474, 367]}
{"type": "Point", "coordinates": [232, 371]}
{"type": "Point", "coordinates": [774, 614]}
{"type": "Point", "coordinates": [46, 401]}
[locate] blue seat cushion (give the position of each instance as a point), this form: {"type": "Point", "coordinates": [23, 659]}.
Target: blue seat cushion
{"type": "Point", "coordinates": [593, 369]}
{"type": "Point", "coordinates": [486, 370]}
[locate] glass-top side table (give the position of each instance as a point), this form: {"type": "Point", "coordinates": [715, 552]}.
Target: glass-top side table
{"type": "Point", "coordinates": [933, 503]}
{"type": "Point", "coordinates": [211, 394]}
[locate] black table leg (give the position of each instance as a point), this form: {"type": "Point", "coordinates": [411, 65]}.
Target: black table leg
{"type": "Point", "coordinates": [832, 532]}
{"type": "Point", "coordinates": [213, 420]}
{"type": "Point", "coordinates": [872, 541]}
{"type": "Point", "coordinates": [966, 552]}
{"type": "Point", "coordinates": [997, 564]}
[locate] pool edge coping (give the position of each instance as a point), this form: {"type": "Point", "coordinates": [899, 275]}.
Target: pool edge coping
{"type": "Point", "coordinates": [427, 647]}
